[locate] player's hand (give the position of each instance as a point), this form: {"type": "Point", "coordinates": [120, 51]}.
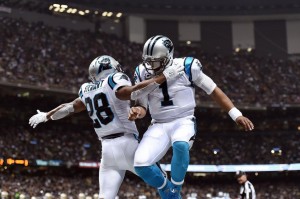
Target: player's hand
{"type": "Point", "coordinates": [134, 113]}
{"type": "Point", "coordinates": [38, 118]}
{"type": "Point", "coordinates": [173, 71]}
{"type": "Point", "coordinates": [245, 123]}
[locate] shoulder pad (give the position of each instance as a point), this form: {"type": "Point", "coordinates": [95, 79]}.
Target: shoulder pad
{"type": "Point", "coordinates": [188, 61]}
{"type": "Point", "coordinates": [80, 92]}
{"type": "Point", "coordinates": [111, 81]}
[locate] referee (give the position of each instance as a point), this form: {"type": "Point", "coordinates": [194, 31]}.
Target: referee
{"type": "Point", "coordinates": [247, 190]}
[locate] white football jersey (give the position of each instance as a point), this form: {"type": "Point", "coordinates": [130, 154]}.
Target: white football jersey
{"type": "Point", "coordinates": [175, 98]}
{"type": "Point", "coordinates": [109, 114]}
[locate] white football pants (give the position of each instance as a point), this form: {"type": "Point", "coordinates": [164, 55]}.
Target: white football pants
{"type": "Point", "coordinates": [117, 157]}
{"type": "Point", "coordinates": [159, 138]}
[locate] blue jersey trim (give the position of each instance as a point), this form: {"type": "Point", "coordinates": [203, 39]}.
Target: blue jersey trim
{"type": "Point", "coordinates": [137, 71]}
{"type": "Point", "coordinates": [80, 93]}
{"type": "Point", "coordinates": [188, 67]}
{"type": "Point", "coordinates": [111, 81]}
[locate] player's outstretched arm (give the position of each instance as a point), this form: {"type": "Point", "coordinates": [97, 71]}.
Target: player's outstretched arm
{"type": "Point", "coordinates": [139, 90]}
{"type": "Point", "coordinates": [59, 112]}
{"type": "Point", "coordinates": [221, 98]}
{"type": "Point", "coordinates": [145, 87]}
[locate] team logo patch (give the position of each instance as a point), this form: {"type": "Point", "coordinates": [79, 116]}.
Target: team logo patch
{"type": "Point", "coordinates": [168, 44]}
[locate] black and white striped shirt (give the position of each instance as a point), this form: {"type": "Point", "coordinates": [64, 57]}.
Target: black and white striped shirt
{"type": "Point", "coordinates": [247, 191]}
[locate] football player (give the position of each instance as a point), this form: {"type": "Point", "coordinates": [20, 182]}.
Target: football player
{"type": "Point", "coordinates": [171, 106]}
{"type": "Point", "coordinates": [106, 100]}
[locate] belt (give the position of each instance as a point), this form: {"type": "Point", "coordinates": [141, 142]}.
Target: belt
{"type": "Point", "coordinates": [113, 136]}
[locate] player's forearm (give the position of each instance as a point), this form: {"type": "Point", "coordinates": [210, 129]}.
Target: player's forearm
{"type": "Point", "coordinates": [221, 99]}
{"type": "Point", "coordinates": [66, 109]}
{"type": "Point", "coordinates": [57, 109]}
{"type": "Point", "coordinates": [227, 105]}
{"type": "Point", "coordinates": [139, 90]}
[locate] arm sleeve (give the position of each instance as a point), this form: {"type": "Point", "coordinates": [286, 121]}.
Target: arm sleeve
{"type": "Point", "coordinates": [200, 79]}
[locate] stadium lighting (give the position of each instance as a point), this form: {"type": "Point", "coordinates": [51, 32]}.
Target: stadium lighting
{"type": "Point", "coordinates": [276, 151]}
{"type": "Point", "coordinates": [216, 151]}
{"type": "Point", "coordinates": [51, 7]}
{"type": "Point", "coordinates": [56, 5]}
{"type": "Point", "coordinates": [109, 14]}
{"type": "Point", "coordinates": [104, 14]}
{"type": "Point", "coordinates": [87, 11]}
{"type": "Point", "coordinates": [272, 151]}
{"type": "Point", "coordinates": [119, 15]}
{"type": "Point", "coordinates": [64, 6]}
{"type": "Point", "coordinates": [74, 11]}
{"type": "Point", "coordinates": [96, 12]}
{"type": "Point", "coordinates": [61, 9]}
{"type": "Point", "coordinates": [81, 12]}
{"type": "Point", "coordinates": [56, 9]}
{"type": "Point", "coordinates": [188, 42]}
{"type": "Point", "coordinates": [69, 10]}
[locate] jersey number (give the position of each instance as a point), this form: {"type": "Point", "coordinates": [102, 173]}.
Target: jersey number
{"type": "Point", "coordinates": [166, 101]}
{"type": "Point", "coordinates": [104, 108]}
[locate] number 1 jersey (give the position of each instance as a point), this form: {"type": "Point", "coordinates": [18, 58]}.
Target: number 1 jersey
{"type": "Point", "coordinates": [174, 98]}
{"type": "Point", "coordinates": [109, 114]}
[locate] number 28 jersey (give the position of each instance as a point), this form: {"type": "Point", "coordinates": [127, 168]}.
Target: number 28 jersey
{"type": "Point", "coordinates": [175, 98]}
{"type": "Point", "coordinates": [109, 114]}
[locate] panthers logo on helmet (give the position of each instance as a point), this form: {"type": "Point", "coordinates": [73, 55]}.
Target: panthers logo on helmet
{"type": "Point", "coordinates": [104, 64]}
{"type": "Point", "coordinates": [168, 44]}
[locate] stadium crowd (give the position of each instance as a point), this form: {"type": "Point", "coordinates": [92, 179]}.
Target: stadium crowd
{"type": "Point", "coordinates": [72, 145]}
{"type": "Point", "coordinates": [134, 188]}
{"type": "Point", "coordinates": [51, 57]}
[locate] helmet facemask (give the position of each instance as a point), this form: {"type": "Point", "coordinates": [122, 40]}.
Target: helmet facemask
{"type": "Point", "coordinates": [155, 66]}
